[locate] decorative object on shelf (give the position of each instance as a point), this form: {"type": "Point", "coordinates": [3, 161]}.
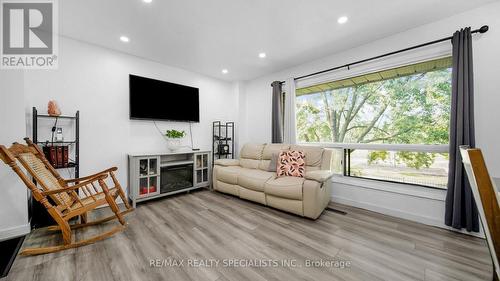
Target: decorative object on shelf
{"type": "Point", "coordinates": [143, 167]}
{"type": "Point", "coordinates": [222, 140]}
{"type": "Point", "coordinates": [223, 149]}
{"type": "Point", "coordinates": [53, 109]}
{"type": "Point", "coordinates": [58, 156]}
{"type": "Point", "coordinates": [174, 139]}
{"type": "Point", "coordinates": [59, 134]}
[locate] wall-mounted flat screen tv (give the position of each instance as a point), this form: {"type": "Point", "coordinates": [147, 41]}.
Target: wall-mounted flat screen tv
{"type": "Point", "coordinates": [152, 99]}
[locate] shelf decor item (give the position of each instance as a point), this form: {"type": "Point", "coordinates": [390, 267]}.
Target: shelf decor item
{"type": "Point", "coordinates": [53, 109]}
{"type": "Point", "coordinates": [59, 134]}
{"type": "Point", "coordinates": [174, 139]}
{"type": "Point", "coordinates": [58, 156]}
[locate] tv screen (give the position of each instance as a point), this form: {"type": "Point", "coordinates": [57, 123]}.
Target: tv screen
{"type": "Point", "coordinates": [152, 99]}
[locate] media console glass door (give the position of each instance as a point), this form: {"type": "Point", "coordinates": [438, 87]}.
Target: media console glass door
{"type": "Point", "coordinates": [148, 177]}
{"type": "Point", "coordinates": [202, 169]}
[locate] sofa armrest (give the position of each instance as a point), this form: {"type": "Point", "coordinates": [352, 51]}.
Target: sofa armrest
{"type": "Point", "coordinates": [319, 175]}
{"type": "Point", "coordinates": [316, 196]}
{"type": "Point", "coordinates": [227, 162]}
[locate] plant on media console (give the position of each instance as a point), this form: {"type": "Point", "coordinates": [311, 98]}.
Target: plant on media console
{"type": "Point", "coordinates": [174, 134]}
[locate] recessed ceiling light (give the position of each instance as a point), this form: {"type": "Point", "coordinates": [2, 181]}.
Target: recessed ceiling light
{"type": "Point", "coordinates": [147, 1]}
{"type": "Point", "coordinates": [262, 55]}
{"type": "Point", "coordinates": [225, 71]}
{"type": "Point", "coordinates": [124, 39]}
{"type": "Point", "coordinates": [342, 19]}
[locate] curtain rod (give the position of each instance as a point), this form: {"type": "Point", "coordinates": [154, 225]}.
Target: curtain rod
{"type": "Point", "coordinates": [483, 29]}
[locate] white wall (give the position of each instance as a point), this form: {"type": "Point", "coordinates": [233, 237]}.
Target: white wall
{"type": "Point", "coordinates": [94, 80]}
{"type": "Point", "coordinates": [13, 202]}
{"type": "Point", "coordinates": [486, 62]}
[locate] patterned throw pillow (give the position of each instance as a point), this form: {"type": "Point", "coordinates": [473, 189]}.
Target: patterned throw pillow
{"type": "Point", "coordinates": [291, 163]}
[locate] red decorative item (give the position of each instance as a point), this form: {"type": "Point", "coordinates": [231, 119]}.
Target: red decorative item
{"type": "Point", "coordinates": [152, 189]}
{"type": "Point", "coordinates": [53, 109]}
{"type": "Point", "coordinates": [143, 190]}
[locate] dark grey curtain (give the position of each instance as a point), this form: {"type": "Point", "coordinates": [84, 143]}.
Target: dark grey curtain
{"type": "Point", "coordinates": [277, 114]}
{"type": "Point", "coordinates": [461, 210]}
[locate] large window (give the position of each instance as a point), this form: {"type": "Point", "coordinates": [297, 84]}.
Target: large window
{"type": "Point", "coordinates": [407, 107]}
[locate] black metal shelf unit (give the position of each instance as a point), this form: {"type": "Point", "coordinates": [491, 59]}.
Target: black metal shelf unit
{"type": "Point", "coordinates": [75, 163]}
{"type": "Point", "coordinates": [222, 140]}
{"type": "Point", "coordinates": [37, 213]}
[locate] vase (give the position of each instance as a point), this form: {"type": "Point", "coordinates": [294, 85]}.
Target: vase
{"type": "Point", "coordinates": [174, 144]}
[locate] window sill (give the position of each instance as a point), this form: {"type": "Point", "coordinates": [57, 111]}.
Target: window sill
{"type": "Point", "coordinates": [405, 189]}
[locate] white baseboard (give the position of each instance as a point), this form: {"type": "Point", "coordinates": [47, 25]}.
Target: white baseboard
{"type": "Point", "coordinates": [400, 214]}
{"type": "Point", "coordinates": [13, 232]}
{"type": "Point", "coordinates": [387, 211]}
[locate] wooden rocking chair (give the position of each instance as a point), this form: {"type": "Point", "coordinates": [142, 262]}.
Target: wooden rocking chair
{"type": "Point", "coordinates": [66, 203]}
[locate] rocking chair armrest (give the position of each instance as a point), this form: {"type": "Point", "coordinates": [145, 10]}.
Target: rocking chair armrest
{"type": "Point", "coordinates": [76, 186]}
{"type": "Point", "coordinates": [92, 176]}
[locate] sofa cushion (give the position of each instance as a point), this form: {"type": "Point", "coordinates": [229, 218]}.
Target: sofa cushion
{"type": "Point", "coordinates": [267, 155]}
{"type": "Point", "coordinates": [288, 205]}
{"type": "Point", "coordinates": [249, 163]}
{"type": "Point", "coordinates": [254, 179]}
{"type": "Point", "coordinates": [270, 165]}
{"type": "Point", "coordinates": [285, 187]}
{"type": "Point", "coordinates": [272, 148]}
{"type": "Point", "coordinates": [264, 165]}
{"type": "Point", "coordinates": [252, 195]}
{"type": "Point", "coordinates": [227, 188]}
{"type": "Point", "coordinates": [291, 163]}
{"type": "Point", "coordinates": [313, 154]}
{"type": "Point", "coordinates": [252, 151]}
{"type": "Point", "coordinates": [228, 174]}
{"type": "Point", "coordinates": [227, 162]}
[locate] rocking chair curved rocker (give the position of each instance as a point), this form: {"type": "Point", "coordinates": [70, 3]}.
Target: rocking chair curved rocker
{"type": "Point", "coordinates": [65, 203]}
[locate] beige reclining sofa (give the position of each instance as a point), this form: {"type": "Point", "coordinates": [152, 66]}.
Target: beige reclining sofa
{"type": "Point", "coordinates": [250, 178]}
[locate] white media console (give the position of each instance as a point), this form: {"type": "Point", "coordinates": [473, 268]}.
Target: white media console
{"type": "Point", "coordinates": [153, 175]}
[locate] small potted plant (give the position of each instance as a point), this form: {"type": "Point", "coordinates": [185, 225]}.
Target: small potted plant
{"type": "Point", "coordinates": [174, 139]}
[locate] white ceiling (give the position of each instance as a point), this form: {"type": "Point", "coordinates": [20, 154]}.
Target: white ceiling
{"type": "Point", "coordinates": [205, 36]}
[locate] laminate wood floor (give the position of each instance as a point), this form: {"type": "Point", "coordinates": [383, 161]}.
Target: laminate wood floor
{"type": "Point", "coordinates": [254, 242]}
